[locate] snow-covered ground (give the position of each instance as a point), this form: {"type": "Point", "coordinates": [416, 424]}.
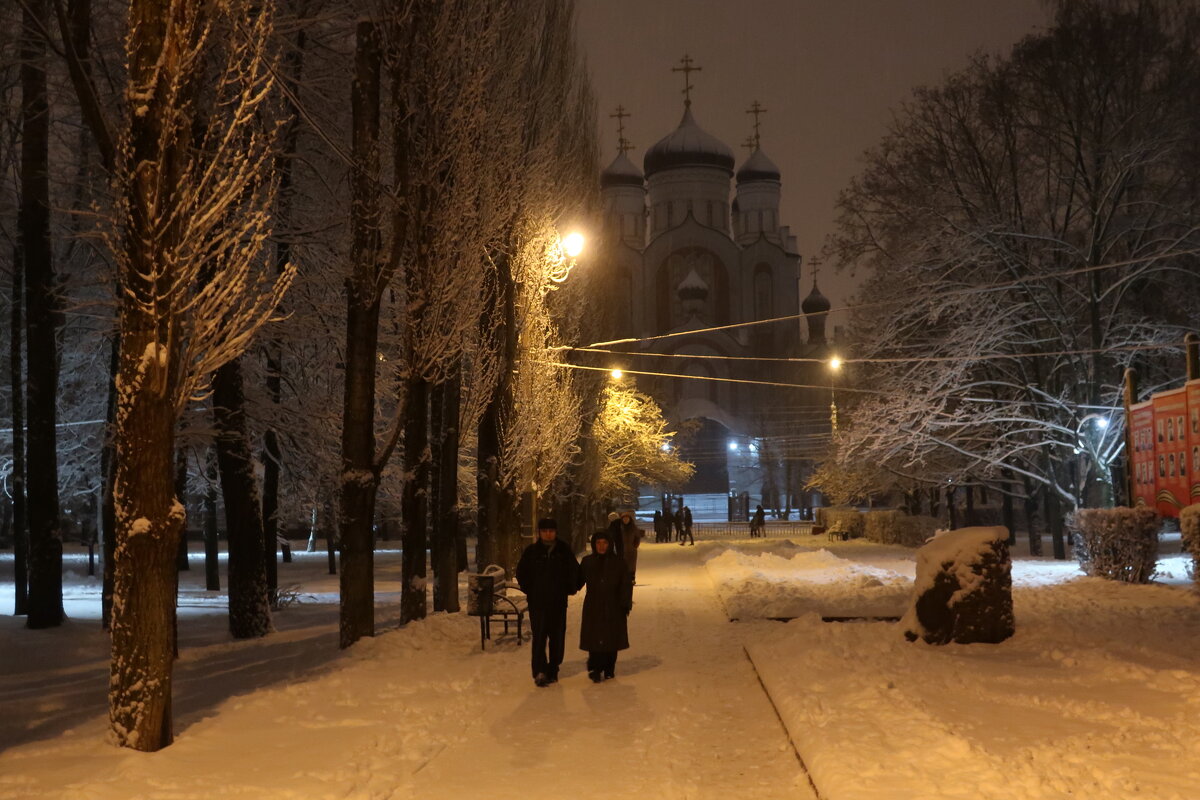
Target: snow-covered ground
{"type": "Point", "coordinates": [1097, 696]}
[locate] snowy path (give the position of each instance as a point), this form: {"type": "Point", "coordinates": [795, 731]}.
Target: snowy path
{"type": "Point", "coordinates": [684, 718]}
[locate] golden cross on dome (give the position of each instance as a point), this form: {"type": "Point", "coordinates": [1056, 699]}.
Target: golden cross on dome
{"type": "Point", "coordinates": [623, 144]}
{"type": "Point", "coordinates": [687, 69]}
{"type": "Point", "coordinates": [756, 109]}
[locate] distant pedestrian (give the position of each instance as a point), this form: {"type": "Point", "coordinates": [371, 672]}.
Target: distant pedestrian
{"type": "Point", "coordinates": [686, 513]}
{"type": "Point", "coordinates": [548, 573]}
{"type": "Point", "coordinates": [677, 522]}
{"type": "Point", "coordinates": [658, 527]}
{"type": "Point", "coordinates": [604, 629]}
{"type": "Point", "coordinates": [758, 523]}
{"type": "Point", "coordinates": [627, 537]}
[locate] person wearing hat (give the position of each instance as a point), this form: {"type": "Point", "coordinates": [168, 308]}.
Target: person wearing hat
{"type": "Point", "coordinates": [548, 573]}
{"type": "Point", "coordinates": [603, 630]}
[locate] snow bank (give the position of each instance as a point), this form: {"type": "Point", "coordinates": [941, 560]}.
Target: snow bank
{"type": "Point", "coordinates": [796, 582]}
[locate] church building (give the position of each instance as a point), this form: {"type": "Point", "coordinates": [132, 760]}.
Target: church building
{"type": "Point", "coordinates": [696, 246]}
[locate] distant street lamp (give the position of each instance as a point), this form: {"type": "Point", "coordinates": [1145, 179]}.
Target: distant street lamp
{"type": "Point", "coordinates": [835, 366]}
{"type": "Point", "coordinates": [617, 374]}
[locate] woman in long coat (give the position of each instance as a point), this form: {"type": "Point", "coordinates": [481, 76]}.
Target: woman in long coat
{"type": "Point", "coordinates": [606, 606]}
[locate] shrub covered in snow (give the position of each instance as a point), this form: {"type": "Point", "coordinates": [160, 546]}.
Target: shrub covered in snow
{"type": "Point", "coordinates": [896, 527]}
{"type": "Point", "coordinates": [842, 518]}
{"type": "Point", "coordinates": [1116, 543]}
{"type": "Point", "coordinates": [963, 590]}
{"type": "Point", "coordinates": [1189, 524]}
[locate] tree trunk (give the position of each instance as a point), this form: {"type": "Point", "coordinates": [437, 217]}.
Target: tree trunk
{"type": "Point", "coordinates": [498, 541]}
{"type": "Point", "coordinates": [445, 532]}
{"type": "Point", "coordinates": [1007, 506]}
{"type": "Point", "coordinates": [212, 556]}
{"type": "Point", "coordinates": [970, 491]}
{"type": "Point", "coordinates": [16, 379]}
{"type": "Point", "coordinates": [249, 601]}
{"type": "Point", "coordinates": [1035, 538]}
{"type": "Point", "coordinates": [1054, 520]}
{"type": "Point", "coordinates": [108, 471]}
{"type": "Point", "coordinates": [272, 456]}
{"type": "Point", "coordinates": [181, 557]}
{"type": "Point", "coordinates": [41, 384]}
{"type": "Point", "coordinates": [414, 503]}
{"type": "Point", "coordinates": [952, 507]}
{"type": "Point", "coordinates": [360, 475]}
{"type": "Point", "coordinates": [149, 520]}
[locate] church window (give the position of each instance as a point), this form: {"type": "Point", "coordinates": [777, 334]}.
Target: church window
{"type": "Point", "coordinates": [762, 292]}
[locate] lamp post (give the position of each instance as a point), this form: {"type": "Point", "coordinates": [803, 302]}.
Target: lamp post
{"type": "Point", "coordinates": [1090, 443]}
{"type": "Point", "coordinates": [835, 367]}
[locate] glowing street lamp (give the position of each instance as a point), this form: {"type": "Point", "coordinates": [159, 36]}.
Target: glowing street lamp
{"type": "Point", "coordinates": [616, 374]}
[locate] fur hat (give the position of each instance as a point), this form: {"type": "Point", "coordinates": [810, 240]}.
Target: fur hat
{"type": "Point", "coordinates": [612, 516]}
{"type": "Point", "coordinates": [547, 524]}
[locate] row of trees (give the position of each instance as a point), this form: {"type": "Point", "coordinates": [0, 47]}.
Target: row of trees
{"type": "Point", "coordinates": [1039, 216]}
{"type": "Point", "coordinates": [382, 182]}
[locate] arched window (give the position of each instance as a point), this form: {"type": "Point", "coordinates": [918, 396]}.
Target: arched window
{"type": "Point", "coordinates": [762, 292]}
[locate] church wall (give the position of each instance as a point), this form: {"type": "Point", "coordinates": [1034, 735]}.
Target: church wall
{"type": "Point", "coordinates": [702, 191]}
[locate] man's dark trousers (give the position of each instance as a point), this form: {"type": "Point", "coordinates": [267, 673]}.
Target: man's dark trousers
{"type": "Point", "coordinates": [549, 628]}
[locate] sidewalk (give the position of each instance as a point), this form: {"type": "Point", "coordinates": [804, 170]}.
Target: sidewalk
{"type": "Point", "coordinates": [684, 718]}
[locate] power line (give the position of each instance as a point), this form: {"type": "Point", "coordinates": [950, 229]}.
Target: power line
{"type": "Point", "coordinates": [984, 289]}
{"type": "Point", "coordinates": [912, 360]}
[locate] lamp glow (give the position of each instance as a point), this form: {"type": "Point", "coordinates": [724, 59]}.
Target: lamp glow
{"type": "Point", "coordinates": [617, 374]}
{"type": "Point", "coordinates": [573, 244]}
{"type": "Point", "coordinates": [835, 363]}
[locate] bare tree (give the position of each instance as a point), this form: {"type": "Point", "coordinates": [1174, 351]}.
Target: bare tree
{"type": "Point", "coordinates": [190, 227]}
{"type": "Point", "coordinates": [1035, 214]}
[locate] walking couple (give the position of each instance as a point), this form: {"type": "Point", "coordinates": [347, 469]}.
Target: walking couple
{"type": "Point", "coordinates": [548, 574]}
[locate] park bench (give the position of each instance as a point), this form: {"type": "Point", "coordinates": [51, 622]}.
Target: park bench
{"type": "Point", "coordinates": [836, 533]}
{"type": "Point", "coordinates": [489, 598]}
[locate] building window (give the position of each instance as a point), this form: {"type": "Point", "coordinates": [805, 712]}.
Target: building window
{"type": "Point", "coordinates": [762, 292]}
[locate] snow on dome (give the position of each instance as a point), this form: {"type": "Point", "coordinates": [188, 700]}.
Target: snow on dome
{"type": "Point", "coordinates": [758, 168]}
{"type": "Point", "coordinates": [815, 303]}
{"type": "Point", "coordinates": [621, 172]}
{"type": "Point", "coordinates": [688, 146]}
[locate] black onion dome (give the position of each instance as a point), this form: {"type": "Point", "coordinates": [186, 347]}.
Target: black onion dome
{"type": "Point", "coordinates": [758, 168]}
{"type": "Point", "coordinates": [815, 303]}
{"type": "Point", "coordinates": [688, 146]}
{"type": "Point", "coordinates": [621, 172]}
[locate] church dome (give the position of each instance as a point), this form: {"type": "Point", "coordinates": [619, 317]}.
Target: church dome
{"type": "Point", "coordinates": [815, 303]}
{"type": "Point", "coordinates": [758, 168]}
{"type": "Point", "coordinates": [688, 146]}
{"type": "Point", "coordinates": [621, 172]}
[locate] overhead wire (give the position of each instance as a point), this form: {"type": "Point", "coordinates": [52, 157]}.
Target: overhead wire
{"type": "Point", "coordinates": [984, 289]}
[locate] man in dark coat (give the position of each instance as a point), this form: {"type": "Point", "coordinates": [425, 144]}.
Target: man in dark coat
{"type": "Point", "coordinates": [606, 606]}
{"type": "Point", "coordinates": [687, 526]}
{"type": "Point", "coordinates": [677, 523]}
{"type": "Point", "coordinates": [548, 573]}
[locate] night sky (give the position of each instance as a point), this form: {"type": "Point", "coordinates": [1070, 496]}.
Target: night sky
{"type": "Point", "coordinates": [828, 71]}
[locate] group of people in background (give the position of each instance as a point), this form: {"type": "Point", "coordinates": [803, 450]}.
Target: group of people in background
{"type": "Point", "coordinates": [678, 522]}
{"type": "Point", "coordinates": [548, 574]}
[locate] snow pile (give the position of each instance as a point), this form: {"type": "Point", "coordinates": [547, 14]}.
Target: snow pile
{"type": "Point", "coordinates": [963, 590]}
{"type": "Point", "coordinates": [797, 582]}
{"type": "Point", "coordinates": [1097, 696]}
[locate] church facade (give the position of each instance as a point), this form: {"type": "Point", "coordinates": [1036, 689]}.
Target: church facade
{"type": "Point", "coordinates": [696, 246]}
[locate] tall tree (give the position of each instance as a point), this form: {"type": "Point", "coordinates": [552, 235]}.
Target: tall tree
{"type": "Point", "coordinates": [41, 385]}
{"type": "Point", "coordinates": [191, 222]}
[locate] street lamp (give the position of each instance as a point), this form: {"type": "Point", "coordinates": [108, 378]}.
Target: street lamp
{"type": "Point", "coordinates": [616, 374]}
{"type": "Point", "coordinates": [563, 255]}
{"type": "Point", "coordinates": [835, 366]}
